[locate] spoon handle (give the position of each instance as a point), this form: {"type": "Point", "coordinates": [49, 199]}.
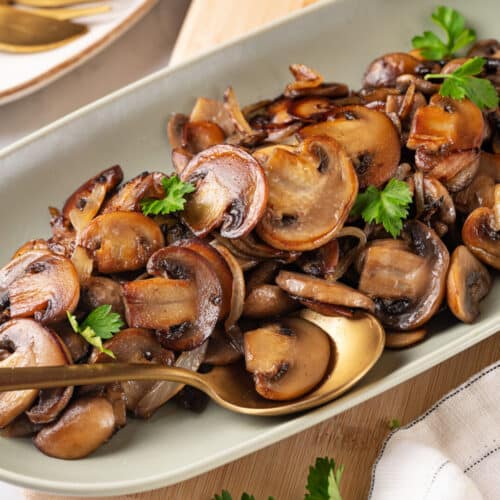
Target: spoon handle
{"type": "Point", "coordinates": [47, 377]}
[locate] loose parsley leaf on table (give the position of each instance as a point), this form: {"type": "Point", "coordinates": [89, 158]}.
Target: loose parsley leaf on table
{"type": "Point", "coordinates": [100, 324]}
{"type": "Point", "coordinates": [174, 200]}
{"type": "Point", "coordinates": [394, 424]}
{"type": "Point", "coordinates": [388, 207]}
{"type": "Point", "coordinates": [457, 35]}
{"type": "Point", "coordinates": [323, 481]}
{"type": "Point", "coordinates": [225, 495]}
{"type": "Point", "coordinates": [462, 83]}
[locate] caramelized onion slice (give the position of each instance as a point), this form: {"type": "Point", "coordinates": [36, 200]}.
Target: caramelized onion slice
{"type": "Point", "coordinates": [300, 180]}
{"type": "Point", "coordinates": [47, 289]}
{"type": "Point", "coordinates": [121, 241]}
{"type": "Point", "coordinates": [28, 344]}
{"type": "Point", "coordinates": [231, 192]}
{"type": "Point", "coordinates": [287, 359]}
{"type": "Point", "coordinates": [369, 138]}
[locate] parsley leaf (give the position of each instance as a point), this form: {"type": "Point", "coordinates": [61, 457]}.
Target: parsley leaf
{"type": "Point", "coordinates": [324, 480]}
{"type": "Point", "coordinates": [394, 424]}
{"type": "Point", "coordinates": [462, 83]}
{"type": "Point", "coordinates": [225, 495]}
{"type": "Point", "coordinates": [457, 35]}
{"type": "Point", "coordinates": [389, 206]}
{"type": "Point", "coordinates": [173, 201]}
{"type": "Point", "coordinates": [100, 324]}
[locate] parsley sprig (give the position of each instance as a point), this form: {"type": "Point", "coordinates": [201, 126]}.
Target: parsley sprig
{"type": "Point", "coordinates": [388, 207]}
{"type": "Point", "coordinates": [101, 324]}
{"type": "Point", "coordinates": [323, 482]}
{"type": "Point", "coordinates": [174, 199]}
{"type": "Point", "coordinates": [463, 83]}
{"type": "Point", "coordinates": [457, 35]}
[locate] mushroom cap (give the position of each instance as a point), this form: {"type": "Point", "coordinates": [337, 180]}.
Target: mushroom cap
{"type": "Point", "coordinates": [266, 301]}
{"type": "Point", "coordinates": [121, 241]}
{"type": "Point", "coordinates": [468, 282]}
{"type": "Point", "coordinates": [220, 350]}
{"type": "Point", "coordinates": [309, 287]}
{"type": "Point", "coordinates": [406, 280]}
{"type": "Point", "coordinates": [383, 71]}
{"type": "Point", "coordinates": [99, 290]}
{"type": "Point", "coordinates": [300, 180]}
{"type": "Point", "coordinates": [47, 289]}
{"type": "Point", "coordinates": [401, 340]}
{"type": "Point", "coordinates": [288, 358]}
{"type": "Point", "coordinates": [28, 344]}
{"type": "Point", "coordinates": [70, 437]}
{"type": "Point", "coordinates": [369, 138]}
{"type": "Point", "coordinates": [231, 192]}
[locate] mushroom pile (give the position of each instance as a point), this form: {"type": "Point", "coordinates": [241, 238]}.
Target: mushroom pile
{"type": "Point", "coordinates": [267, 229]}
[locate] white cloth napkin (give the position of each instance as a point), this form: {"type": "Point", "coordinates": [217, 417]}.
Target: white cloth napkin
{"type": "Point", "coordinates": [452, 452]}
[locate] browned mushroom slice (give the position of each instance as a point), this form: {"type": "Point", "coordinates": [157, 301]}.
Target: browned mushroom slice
{"type": "Point", "coordinates": [98, 290]}
{"type": "Point", "coordinates": [128, 198]}
{"type": "Point", "coordinates": [63, 237]}
{"type": "Point", "coordinates": [135, 345]}
{"type": "Point", "coordinates": [481, 234]}
{"type": "Point", "coordinates": [309, 82]}
{"type": "Point", "coordinates": [439, 208]}
{"type": "Point", "coordinates": [121, 241]}
{"type": "Point", "coordinates": [310, 108]}
{"type": "Point", "coordinates": [401, 340]}
{"type": "Point", "coordinates": [467, 284]}
{"type": "Point", "coordinates": [231, 192]}
{"type": "Point", "coordinates": [447, 123]}
{"type": "Point", "coordinates": [180, 158]}
{"type": "Point", "coordinates": [75, 344]}
{"type": "Point", "coordinates": [320, 290]}
{"type": "Point", "coordinates": [266, 301]}
{"type": "Point", "coordinates": [323, 261]}
{"type": "Point", "coordinates": [407, 280]}
{"type": "Point", "coordinates": [28, 344]}
{"type": "Point", "coordinates": [51, 402]}
{"type": "Point", "coordinates": [300, 179]}
{"type": "Point", "coordinates": [69, 438]}
{"type": "Point", "coordinates": [369, 138]}
{"type": "Point", "coordinates": [175, 130]}
{"type": "Point", "coordinates": [219, 265]}
{"type": "Point", "coordinates": [275, 356]}
{"type": "Point", "coordinates": [212, 111]}
{"type": "Point", "coordinates": [202, 135]}
{"type": "Point", "coordinates": [263, 274]}
{"type": "Point", "coordinates": [82, 206]}
{"type": "Point", "coordinates": [384, 70]}
{"type": "Point", "coordinates": [20, 427]}
{"type": "Point", "coordinates": [47, 289]}
{"type": "Point", "coordinates": [40, 245]}
{"type": "Point", "coordinates": [220, 350]}
{"type": "Point", "coordinates": [485, 48]}
{"type": "Point", "coordinates": [186, 331]}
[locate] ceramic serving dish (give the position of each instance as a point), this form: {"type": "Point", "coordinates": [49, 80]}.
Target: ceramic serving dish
{"type": "Point", "coordinates": [128, 127]}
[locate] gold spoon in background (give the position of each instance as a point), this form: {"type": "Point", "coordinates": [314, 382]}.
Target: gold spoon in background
{"type": "Point", "coordinates": [357, 342]}
{"type": "Point", "coordinates": [23, 31]}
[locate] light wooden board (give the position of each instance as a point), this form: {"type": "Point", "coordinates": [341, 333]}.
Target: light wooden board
{"type": "Point", "coordinates": [354, 438]}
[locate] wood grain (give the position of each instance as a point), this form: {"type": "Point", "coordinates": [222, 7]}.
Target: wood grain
{"type": "Point", "coordinates": [354, 438]}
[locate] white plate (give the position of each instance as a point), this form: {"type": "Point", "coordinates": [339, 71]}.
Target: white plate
{"type": "Point", "coordinates": [128, 127]}
{"type": "Point", "coordinates": [22, 74]}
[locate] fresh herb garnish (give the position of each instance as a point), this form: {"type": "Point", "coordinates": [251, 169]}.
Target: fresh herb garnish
{"type": "Point", "coordinates": [388, 207]}
{"type": "Point", "coordinates": [462, 83]}
{"type": "Point", "coordinates": [394, 424]}
{"type": "Point", "coordinates": [174, 200]}
{"type": "Point", "coordinates": [323, 483]}
{"type": "Point", "coordinates": [101, 324]}
{"type": "Point", "coordinates": [457, 35]}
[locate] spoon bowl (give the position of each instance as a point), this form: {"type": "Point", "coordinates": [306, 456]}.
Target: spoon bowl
{"type": "Point", "coordinates": [357, 344]}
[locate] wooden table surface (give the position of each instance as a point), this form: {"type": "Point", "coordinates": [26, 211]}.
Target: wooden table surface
{"type": "Point", "coordinates": [352, 438]}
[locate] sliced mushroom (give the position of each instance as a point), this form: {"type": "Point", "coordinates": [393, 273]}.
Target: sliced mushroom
{"type": "Point", "coordinates": [369, 138]}
{"type": "Point", "coordinates": [220, 351]}
{"type": "Point", "coordinates": [183, 304]}
{"type": "Point", "coordinates": [485, 48]}
{"type": "Point", "coordinates": [467, 284]}
{"type": "Point", "coordinates": [135, 345]}
{"type": "Point", "coordinates": [175, 130]}
{"type": "Point", "coordinates": [51, 402]}
{"type": "Point", "coordinates": [75, 344]}
{"type": "Point", "coordinates": [63, 237]}
{"type": "Point", "coordinates": [310, 109]}
{"type": "Point", "coordinates": [276, 356]}
{"type": "Point", "coordinates": [48, 288]}
{"type": "Point", "coordinates": [201, 135]}
{"type": "Point", "coordinates": [128, 198]}
{"type": "Point", "coordinates": [98, 291]}
{"type": "Point", "coordinates": [310, 82]}
{"type": "Point", "coordinates": [180, 158]}
{"type": "Point", "coordinates": [323, 261]}
{"type": "Point", "coordinates": [121, 241]}
{"type": "Point", "coordinates": [40, 245]}
{"type": "Point", "coordinates": [300, 179]}
{"type": "Point", "coordinates": [70, 437]}
{"type": "Point", "coordinates": [328, 292]}
{"type": "Point", "coordinates": [401, 340]}
{"type": "Point", "coordinates": [383, 71]}
{"type": "Point", "coordinates": [84, 204]}
{"type": "Point", "coordinates": [263, 274]}
{"type": "Point", "coordinates": [231, 192]}
{"type": "Point", "coordinates": [266, 301]}
{"type": "Point", "coordinates": [28, 344]}
{"type": "Point", "coordinates": [212, 111]}
{"type": "Point", "coordinates": [20, 427]}
{"type": "Point", "coordinates": [219, 265]}
{"type": "Point", "coordinates": [405, 279]}
{"type": "Point", "coordinates": [481, 234]}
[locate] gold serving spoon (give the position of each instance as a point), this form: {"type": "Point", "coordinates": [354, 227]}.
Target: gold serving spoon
{"type": "Point", "coordinates": [357, 342]}
{"type": "Point", "coordinates": [64, 14]}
